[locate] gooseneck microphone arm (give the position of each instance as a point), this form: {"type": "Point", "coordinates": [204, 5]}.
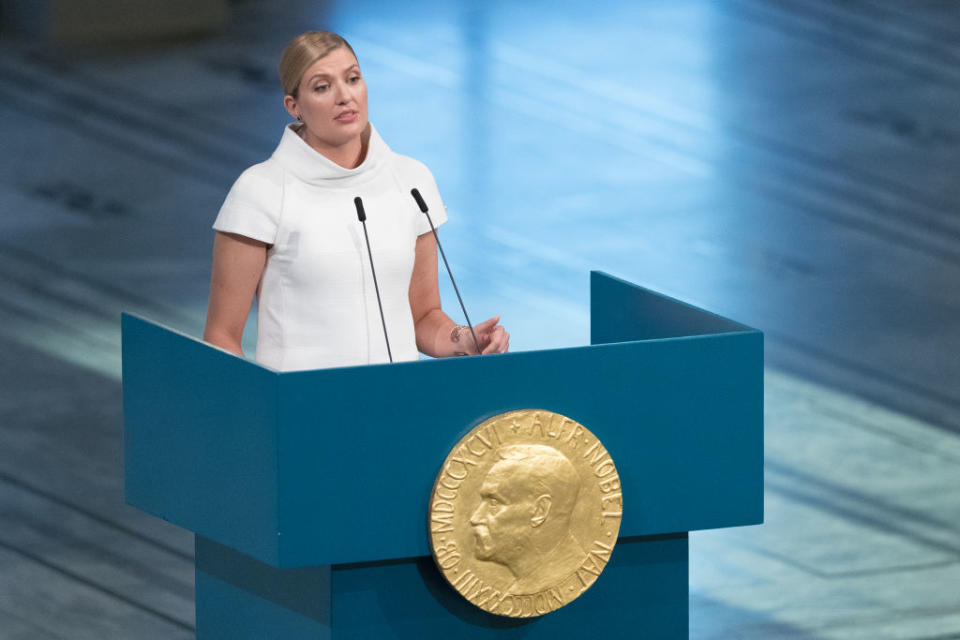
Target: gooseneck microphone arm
{"type": "Point", "coordinates": [362, 217]}
{"type": "Point", "coordinates": [423, 207]}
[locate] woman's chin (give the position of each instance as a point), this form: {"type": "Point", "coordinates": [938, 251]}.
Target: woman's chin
{"type": "Point", "coordinates": [347, 132]}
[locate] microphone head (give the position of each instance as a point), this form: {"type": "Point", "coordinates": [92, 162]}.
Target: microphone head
{"type": "Point", "coordinates": [361, 214]}
{"type": "Point", "coordinates": [420, 203]}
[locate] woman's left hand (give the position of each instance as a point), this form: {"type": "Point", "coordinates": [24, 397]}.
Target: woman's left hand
{"type": "Point", "coordinates": [493, 338]}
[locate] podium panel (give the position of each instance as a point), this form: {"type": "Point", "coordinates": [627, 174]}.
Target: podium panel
{"type": "Point", "coordinates": [642, 593]}
{"type": "Point", "coordinates": [317, 482]}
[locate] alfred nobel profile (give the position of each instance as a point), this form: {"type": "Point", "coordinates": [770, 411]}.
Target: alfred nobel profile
{"type": "Point", "coordinates": [523, 520]}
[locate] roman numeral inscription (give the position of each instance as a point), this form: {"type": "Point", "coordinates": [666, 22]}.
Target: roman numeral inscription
{"type": "Point", "coordinates": [467, 455]}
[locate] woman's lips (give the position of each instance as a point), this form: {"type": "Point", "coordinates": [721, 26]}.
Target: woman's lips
{"type": "Point", "coordinates": [349, 116]}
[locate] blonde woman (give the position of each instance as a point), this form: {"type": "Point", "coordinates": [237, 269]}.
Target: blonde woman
{"type": "Point", "coordinates": [288, 233]}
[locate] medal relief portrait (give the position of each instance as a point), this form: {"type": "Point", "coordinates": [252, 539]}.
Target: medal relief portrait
{"type": "Point", "coordinates": [523, 519]}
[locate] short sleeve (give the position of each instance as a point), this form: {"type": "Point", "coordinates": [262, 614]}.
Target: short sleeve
{"type": "Point", "coordinates": [252, 207]}
{"type": "Point", "coordinates": [417, 176]}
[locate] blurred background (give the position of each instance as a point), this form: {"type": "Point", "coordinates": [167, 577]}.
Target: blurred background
{"type": "Point", "coordinates": [792, 165]}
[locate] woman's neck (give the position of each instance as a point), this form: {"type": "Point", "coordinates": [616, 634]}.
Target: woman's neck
{"type": "Point", "coordinates": [349, 155]}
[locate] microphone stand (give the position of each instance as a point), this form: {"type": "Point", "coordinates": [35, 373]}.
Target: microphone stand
{"type": "Point", "coordinates": [362, 217]}
{"type": "Point", "coordinates": [423, 207]}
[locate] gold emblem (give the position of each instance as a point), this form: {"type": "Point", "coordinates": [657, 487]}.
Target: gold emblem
{"type": "Point", "coordinates": [525, 513]}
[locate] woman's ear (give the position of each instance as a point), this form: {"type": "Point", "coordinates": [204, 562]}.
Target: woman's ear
{"type": "Point", "coordinates": [290, 104]}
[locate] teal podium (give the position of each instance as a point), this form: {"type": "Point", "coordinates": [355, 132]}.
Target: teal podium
{"type": "Point", "coordinates": [308, 490]}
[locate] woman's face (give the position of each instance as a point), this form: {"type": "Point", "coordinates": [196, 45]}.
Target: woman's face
{"type": "Point", "coordinates": [332, 99]}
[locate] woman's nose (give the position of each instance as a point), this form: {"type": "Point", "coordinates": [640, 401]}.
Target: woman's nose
{"type": "Point", "coordinates": [339, 93]}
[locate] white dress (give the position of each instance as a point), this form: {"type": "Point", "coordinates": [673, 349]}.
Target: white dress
{"type": "Point", "coordinates": [316, 302]}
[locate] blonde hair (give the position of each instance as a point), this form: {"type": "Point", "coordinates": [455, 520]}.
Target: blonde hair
{"type": "Point", "coordinates": [301, 52]}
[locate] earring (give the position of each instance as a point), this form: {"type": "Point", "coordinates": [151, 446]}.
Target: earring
{"type": "Point", "coordinates": [299, 119]}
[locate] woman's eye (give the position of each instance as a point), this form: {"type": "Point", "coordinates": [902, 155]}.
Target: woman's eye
{"type": "Point", "coordinates": [320, 87]}
{"type": "Point", "coordinates": [354, 79]}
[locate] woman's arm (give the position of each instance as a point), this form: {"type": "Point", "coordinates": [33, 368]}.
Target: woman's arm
{"type": "Point", "coordinates": [238, 264]}
{"type": "Point", "coordinates": [432, 326]}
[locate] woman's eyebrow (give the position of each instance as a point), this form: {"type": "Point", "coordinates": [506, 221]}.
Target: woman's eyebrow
{"type": "Point", "coordinates": [327, 75]}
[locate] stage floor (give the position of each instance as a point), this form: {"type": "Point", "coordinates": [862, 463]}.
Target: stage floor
{"type": "Point", "coordinates": [791, 165]}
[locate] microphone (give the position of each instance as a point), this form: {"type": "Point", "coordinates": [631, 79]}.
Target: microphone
{"type": "Point", "coordinates": [362, 217]}
{"type": "Point", "coordinates": [423, 207]}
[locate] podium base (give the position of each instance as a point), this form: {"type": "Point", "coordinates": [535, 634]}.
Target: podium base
{"type": "Point", "coordinates": [643, 593]}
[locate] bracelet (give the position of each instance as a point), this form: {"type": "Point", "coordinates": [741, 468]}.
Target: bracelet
{"type": "Point", "coordinates": [455, 333]}
{"type": "Point", "coordinates": [455, 337]}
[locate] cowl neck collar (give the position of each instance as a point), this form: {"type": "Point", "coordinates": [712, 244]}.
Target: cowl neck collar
{"type": "Point", "coordinates": [308, 164]}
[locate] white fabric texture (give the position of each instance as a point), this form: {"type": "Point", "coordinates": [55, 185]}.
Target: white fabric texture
{"type": "Point", "coordinates": [317, 307]}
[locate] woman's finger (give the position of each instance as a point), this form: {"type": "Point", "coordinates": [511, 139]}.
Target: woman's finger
{"type": "Point", "coordinates": [486, 325]}
{"type": "Point", "coordinates": [496, 338]}
{"type": "Point", "coordinates": [491, 344]}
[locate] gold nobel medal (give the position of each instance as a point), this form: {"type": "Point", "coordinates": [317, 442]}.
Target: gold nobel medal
{"type": "Point", "coordinates": [525, 513]}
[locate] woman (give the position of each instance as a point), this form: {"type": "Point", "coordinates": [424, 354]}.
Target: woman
{"type": "Point", "coordinates": [288, 232]}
